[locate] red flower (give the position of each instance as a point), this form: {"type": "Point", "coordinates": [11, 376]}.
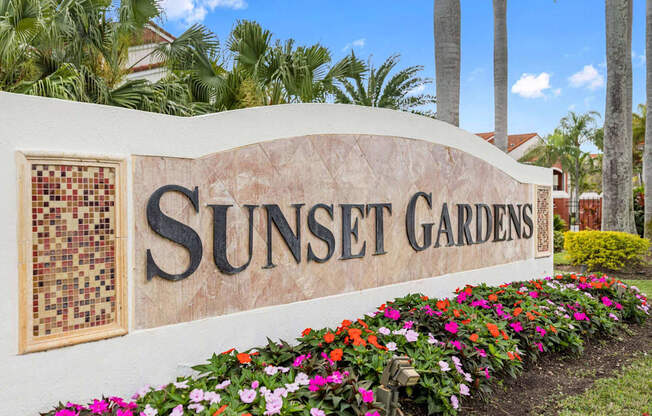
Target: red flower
{"type": "Point", "coordinates": [329, 338]}
{"type": "Point", "coordinates": [336, 354]}
{"type": "Point", "coordinates": [228, 351]}
{"type": "Point", "coordinates": [306, 332]}
{"type": "Point", "coordinates": [373, 340]}
{"type": "Point", "coordinates": [220, 410]}
{"type": "Point", "coordinates": [474, 337]}
{"type": "Point", "coordinates": [493, 298]}
{"type": "Point", "coordinates": [244, 358]}
{"type": "Point", "coordinates": [346, 323]}
{"type": "Point", "coordinates": [493, 329]}
{"type": "Point", "coordinates": [517, 311]}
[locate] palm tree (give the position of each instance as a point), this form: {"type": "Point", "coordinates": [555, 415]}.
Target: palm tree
{"type": "Point", "coordinates": [77, 50]}
{"type": "Point", "coordinates": [447, 59]}
{"type": "Point", "coordinates": [397, 92]}
{"type": "Point", "coordinates": [616, 173]}
{"type": "Point", "coordinates": [647, 155]}
{"type": "Point", "coordinates": [500, 74]}
{"type": "Point", "coordinates": [564, 146]}
{"type": "Point", "coordinates": [638, 138]}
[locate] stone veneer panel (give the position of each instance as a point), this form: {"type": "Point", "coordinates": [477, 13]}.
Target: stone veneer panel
{"type": "Point", "coordinates": [331, 169]}
{"type": "Point", "coordinates": [543, 219]}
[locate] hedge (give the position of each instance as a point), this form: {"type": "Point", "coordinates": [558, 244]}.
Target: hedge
{"type": "Point", "coordinates": [607, 250]}
{"type": "Point", "coordinates": [461, 348]}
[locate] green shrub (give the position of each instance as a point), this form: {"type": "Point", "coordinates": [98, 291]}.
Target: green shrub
{"type": "Point", "coordinates": [559, 224]}
{"type": "Point", "coordinates": [605, 249]}
{"type": "Point", "coordinates": [559, 241]}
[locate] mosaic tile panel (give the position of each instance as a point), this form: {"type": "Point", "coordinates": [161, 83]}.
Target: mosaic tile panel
{"type": "Point", "coordinates": [544, 238]}
{"type": "Point", "coordinates": [73, 248]}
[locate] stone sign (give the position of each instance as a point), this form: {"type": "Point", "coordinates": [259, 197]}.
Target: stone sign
{"type": "Point", "coordinates": [298, 218]}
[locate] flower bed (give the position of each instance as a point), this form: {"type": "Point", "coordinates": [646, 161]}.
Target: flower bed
{"type": "Point", "coordinates": [459, 346]}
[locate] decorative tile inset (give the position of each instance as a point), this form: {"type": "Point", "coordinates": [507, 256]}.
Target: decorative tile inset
{"type": "Point", "coordinates": [543, 237]}
{"type": "Point", "coordinates": [72, 278]}
{"type": "Point", "coordinates": [73, 248]}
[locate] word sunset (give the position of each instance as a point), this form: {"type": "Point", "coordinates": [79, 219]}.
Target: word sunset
{"type": "Point", "coordinates": [475, 223]}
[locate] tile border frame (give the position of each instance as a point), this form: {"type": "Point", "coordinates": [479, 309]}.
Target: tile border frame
{"type": "Point", "coordinates": [549, 252]}
{"type": "Point", "coordinates": [24, 162]}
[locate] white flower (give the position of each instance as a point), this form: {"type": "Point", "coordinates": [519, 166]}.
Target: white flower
{"type": "Point", "coordinates": [150, 411]}
{"type": "Point", "coordinates": [391, 346]}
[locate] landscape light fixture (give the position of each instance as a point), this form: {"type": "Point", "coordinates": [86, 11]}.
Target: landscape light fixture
{"type": "Point", "coordinates": [398, 373]}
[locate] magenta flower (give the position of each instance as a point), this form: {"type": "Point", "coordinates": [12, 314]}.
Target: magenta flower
{"type": "Point", "coordinates": [540, 330]}
{"type": "Point", "coordinates": [451, 327]}
{"type": "Point", "coordinates": [374, 413]}
{"type": "Point", "coordinates": [533, 295]}
{"type": "Point", "coordinates": [367, 395]}
{"type": "Point", "coordinates": [457, 345]}
{"type": "Point", "coordinates": [65, 412]}
{"type": "Point", "coordinates": [316, 382]}
{"type": "Point", "coordinates": [580, 316]}
{"type": "Point", "coordinates": [99, 407]}
{"type": "Point", "coordinates": [125, 412]}
{"type": "Point", "coordinates": [606, 301]}
{"type": "Point", "coordinates": [461, 297]}
{"type": "Point", "coordinates": [392, 314]}
{"type": "Point", "coordinates": [539, 346]}
{"type": "Point", "coordinates": [408, 324]}
{"type": "Point", "coordinates": [516, 326]}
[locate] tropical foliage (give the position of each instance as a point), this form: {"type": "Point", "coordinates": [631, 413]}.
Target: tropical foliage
{"type": "Point", "coordinates": [461, 347]}
{"type": "Point", "coordinates": [401, 91]}
{"type": "Point", "coordinates": [564, 146]}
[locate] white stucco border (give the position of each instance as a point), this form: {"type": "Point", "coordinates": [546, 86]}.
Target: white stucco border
{"type": "Point", "coordinates": [202, 135]}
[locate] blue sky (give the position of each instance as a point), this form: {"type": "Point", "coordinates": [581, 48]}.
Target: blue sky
{"type": "Point", "coordinates": [556, 49]}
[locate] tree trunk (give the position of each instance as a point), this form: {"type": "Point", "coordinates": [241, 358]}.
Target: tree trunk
{"type": "Point", "coordinates": [616, 178]}
{"type": "Point", "coordinates": [500, 74]}
{"type": "Point", "coordinates": [447, 59]}
{"type": "Point", "coordinates": [628, 115]}
{"type": "Point", "coordinates": [647, 154]}
{"type": "Point", "coordinates": [577, 194]}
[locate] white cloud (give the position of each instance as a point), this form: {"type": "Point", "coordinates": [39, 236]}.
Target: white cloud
{"type": "Point", "coordinates": [556, 92]}
{"type": "Point", "coordinates": [227, 4]}
{"type": "Point", "coordinates": [193, 11]}
{"type": "Point", "coordinates": [358, 43]}
{"type": "Point", "coordinates": [417, 90]}
{"type": "Point", "coordinates": [532, 86]}
{"type": "Point", "coordinates": [588, 77]}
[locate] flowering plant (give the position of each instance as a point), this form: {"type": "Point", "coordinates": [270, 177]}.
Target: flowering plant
{"type": "Point", "coordinates": [459, 346]}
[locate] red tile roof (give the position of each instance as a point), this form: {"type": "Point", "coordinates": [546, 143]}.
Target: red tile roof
{"type": "Point", "coordinates": [513, 140]}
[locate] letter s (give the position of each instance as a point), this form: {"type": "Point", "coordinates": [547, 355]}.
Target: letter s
{"type": "Point", "coordinates": [174, 231]}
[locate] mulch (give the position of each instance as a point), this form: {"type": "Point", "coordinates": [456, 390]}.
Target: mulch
{"type": "Point", "coordinates": [633, 273]}
{"type": "Point", "coordinates": [538, 389]}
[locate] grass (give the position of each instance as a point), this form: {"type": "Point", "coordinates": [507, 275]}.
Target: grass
{"type": "Point", "coordinates": [562, 259]}
{"type": "Point", "coordinates": [630, 393]}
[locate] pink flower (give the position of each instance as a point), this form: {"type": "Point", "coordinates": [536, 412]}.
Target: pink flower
{"type": "Point", "coordinates": [223, 385]}
{"type": "Point", "coordinates": [127, 412]}
{"type": "Point", "coordinates": [486, 373]}
{"type": "Point", "coordinates": [606, 301]}
{"type": "Point", "coordinates": [533, 295]}
{"type": "Point", "coordinates": [255, 384]}
{"type": "Point", "coordinates": [539, 346]}
{"type": "Point", "coordinates": [317, 412]}
{"type": "Point", "coordinates": [411, 336]}
{"type": "Point", "coordinates": [481, 352]}
{"type": "Point", "coordinates": [198, 408]}
{"type": "Point", "coordinates": [316, 382]}
{"type": "Point", "coordinates": [374, 413]}
{"type": "Point", "coordinates": [99, 407]}
{"type": "Point", "coordinates": [391, 346]}
{"type": "Point", "coordinates": [461, 297]}
{"type": "Point", "coordinates": [444, 366]}
{"type": "Point", "coordinates": [455, 402]}
{"type": "Point", "coordinates": [247, 395]}
{"type": "Point", "coordinates": [580, 316]}
{"type": "Point", "coordinates": [196, 396]}
{"type": "Point", "coordinates": [384, 331]}
{"type": "Point", "coordinates": [540, 330]}
{"type": "Point", "coordinates": [451, 327]}
{"type": "Point", "coordinates": [392, 314]}
{"type": "Point", "coordinates": [457, 345]}
{"type": "Point", "coordinates": [618, 306]}
{"type": "Point", "coordinates": [177, 411]}
{"type": "Point", "coordinates": [65, 412]}
{"type": "Point", "coordinates": [335, 378]}
{"type": "Point", "coordinates": [516, 326]}
{"type": "Point", "coordinates": [212, 397]}
{"type": "Point", "coordinates": [149, 411]}
{"type": "Point", "coordinates": [367, 395]}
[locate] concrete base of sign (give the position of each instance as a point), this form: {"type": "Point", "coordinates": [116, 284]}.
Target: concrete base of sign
{"type": "Point", "coordinates": [122, 365]}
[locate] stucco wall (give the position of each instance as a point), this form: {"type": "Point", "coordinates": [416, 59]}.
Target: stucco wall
{"type": "Point", "coordinates": [34, 382]}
